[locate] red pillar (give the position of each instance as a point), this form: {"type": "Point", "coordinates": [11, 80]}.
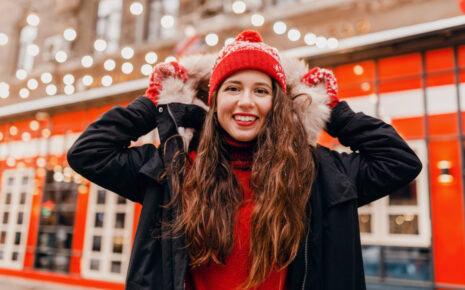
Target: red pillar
{"type": "Point", "coordinates": [447, 215]}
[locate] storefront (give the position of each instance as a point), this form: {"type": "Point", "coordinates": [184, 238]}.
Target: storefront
{"type": "Point", "coordinates": [415, 237]}
{"type": "Point", "coordinates": [55, 225]}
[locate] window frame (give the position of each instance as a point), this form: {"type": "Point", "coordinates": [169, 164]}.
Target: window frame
{"type": "Point", "coordinates": [380, 211]}
{"type": "Point", "coordinates": [14, 208]}
{"type": "Point", "coordinates": [109, 21]}
{"type": "Point", "coordinates": [107, 232]}
{"type": "Point", "coordinates": [24, 59]}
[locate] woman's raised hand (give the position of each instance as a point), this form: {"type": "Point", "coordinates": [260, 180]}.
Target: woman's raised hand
{"type": "Point", "coordinates": [321, 75]}
{"type": "Point", "coordinates": [161, 72]}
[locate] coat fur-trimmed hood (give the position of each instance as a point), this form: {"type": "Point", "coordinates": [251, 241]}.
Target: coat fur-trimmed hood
{"type": "Point", "coordinates": [310, 103]}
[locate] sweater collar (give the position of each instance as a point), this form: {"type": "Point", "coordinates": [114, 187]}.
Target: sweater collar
{"type": "Point", "coordinates": [240, 153]}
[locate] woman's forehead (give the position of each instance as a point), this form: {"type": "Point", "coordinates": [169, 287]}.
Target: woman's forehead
{"type": "Point", "coordinates": [249, 76]}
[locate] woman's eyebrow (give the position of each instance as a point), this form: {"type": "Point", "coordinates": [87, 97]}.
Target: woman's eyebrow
{"type": "Point", "coordinates": [240, 83]}
{"type": "Point", "coordinates": [263, 84]}
{"type": "Point", "coordinates": [233, 81]}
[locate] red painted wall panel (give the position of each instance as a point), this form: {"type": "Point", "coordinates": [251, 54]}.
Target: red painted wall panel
{"type": "Point", "coordinates": [410, 128]}
{"type": "Point", "coordinates": [79, 229]}
{"type": "Point", "coordinates": [447, 219]}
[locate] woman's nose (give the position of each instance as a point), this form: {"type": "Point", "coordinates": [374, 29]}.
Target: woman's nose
{"type": "Point", "coordinates": [245, 98]}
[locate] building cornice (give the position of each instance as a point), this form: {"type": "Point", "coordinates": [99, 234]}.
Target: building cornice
{"type": "Point", "coordinates": [345, 45]}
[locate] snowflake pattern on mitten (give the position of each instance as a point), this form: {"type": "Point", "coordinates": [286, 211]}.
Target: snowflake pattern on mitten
{"type": "Point", "coordinates": [161, 72]}
{"type": "Point", "coordinates": [321, 75]}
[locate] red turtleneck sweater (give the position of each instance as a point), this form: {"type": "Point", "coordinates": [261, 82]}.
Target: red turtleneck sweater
{"type": "Point", "coordinates": [234, 272]}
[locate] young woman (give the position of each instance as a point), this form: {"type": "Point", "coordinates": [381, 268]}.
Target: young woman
{"type": "Point", "coordinates": [238, 195]}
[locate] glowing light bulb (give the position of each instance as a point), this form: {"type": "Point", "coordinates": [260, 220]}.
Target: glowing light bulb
{"type": "Point", "coordinates": [3, 39]}
{"type": "Point", "coordinates": [333, 43]}
{"type": "Point", "coordinates": [151, 57]}
{"type": "Point", "coordinates": [167, 21]}
{"type": "Point", "coordinates": [24, 93]}
{"type": "Point", "coordinates": [13, 130]}
{"type": "Point", "coordinates": [46, 77]}
{"type": "Point", "coordinates": [61, 56]}
{"type": "Point", "coordinates": [33, 19]}
{"type": "Point", "coordinates": [127, 52]}
{"type": "Point", "coordinates": [146, 69]}
{"type": "Point", "coordinates": [87, 61]}
{"type": "Point", "coordinates": [358, 69]}
{"type": "Point", "coordinates": [4, 90]}
{"type": "Point", "coordinates": [32, 84]}
{"type": "Point", "coordinates": [239, 7]}
{"type": "Point", "coordinates": [87, 80]}
{"type": "Point", "coordinates": [69, 89]}
{"type": "Point", "coordinates": [69, 34]}
{"type": "Point", "coordinates": [51, 90]}
{"type": "Point", "coordinates": [100, 45]}
{"type": "Point", "coordinates": [34, 125]}
{"type": "Point", "coordinates": [321, 41]}
{"type": "Point", "coordinates": [107, 80]}
{"type": "Point", "coordinates": [279, 27]}
{"type": "Point", "coordinates": [257, 20]}
{"type": "Point", "coordinates": [127, 68]}
{"type": "Point", "coordinates": [33, 49]}
{"type": "Point", "coordinates": [136, 8]}
{"type": "Point", "coordinates": [21, 74]}
{"type": "Point", "coordinates": [211, 39]}
{"type": "Point", "coordinates": [109, 64]}
{"type": "Point", "coordinates": [68, 79]}
{"type": "Point", "coordinates": [26, 136]}
{"type": "Point", "coordinates": [293, 34]}
{"type": "Point", "coordinates": [310, 39]}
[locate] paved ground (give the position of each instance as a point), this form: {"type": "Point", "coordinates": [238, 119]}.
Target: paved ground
{"type": "Point", "coordinates": [14, 283]}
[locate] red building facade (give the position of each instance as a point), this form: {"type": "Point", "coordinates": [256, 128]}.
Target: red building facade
{"type": "Point", "coordinates": [57, 226]}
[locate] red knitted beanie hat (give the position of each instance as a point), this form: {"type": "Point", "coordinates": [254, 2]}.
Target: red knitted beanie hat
{"type": "Point", "coordinates": [246, 52]}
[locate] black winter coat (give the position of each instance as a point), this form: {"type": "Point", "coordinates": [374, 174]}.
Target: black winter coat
{"type": "Point", "coordinates": [330, 255]}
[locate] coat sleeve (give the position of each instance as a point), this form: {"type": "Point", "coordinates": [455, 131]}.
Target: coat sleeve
{"type": "Point", "coordinates": [381, 163]}
{"type": "Point", "coordinates": [102, 153]}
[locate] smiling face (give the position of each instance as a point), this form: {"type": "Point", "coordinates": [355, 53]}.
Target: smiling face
{"type": "Point", "coordinates": [244, 100]}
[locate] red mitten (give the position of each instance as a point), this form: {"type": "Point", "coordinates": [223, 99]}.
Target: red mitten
{"type": "Point", "coordinates": [318, 75]}
{"type": "Point", "coordinates": [161, 72]}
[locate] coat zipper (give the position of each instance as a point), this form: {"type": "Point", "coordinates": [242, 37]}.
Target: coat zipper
{"type": "Point", "coordinates": [306, 261]}
{"type": "Point", "coordinates": [172, 117]}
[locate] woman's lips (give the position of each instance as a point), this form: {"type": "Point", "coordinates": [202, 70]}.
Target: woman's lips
{"type": "Point", "coordinates": [243, 119]}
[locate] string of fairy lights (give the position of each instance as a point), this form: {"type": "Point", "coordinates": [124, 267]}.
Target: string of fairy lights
{"type": "Point", "coordinates": [127, 53]}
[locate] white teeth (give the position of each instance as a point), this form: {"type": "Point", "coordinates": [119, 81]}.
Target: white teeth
{"type": "Point", "coordinates": [245, 118]}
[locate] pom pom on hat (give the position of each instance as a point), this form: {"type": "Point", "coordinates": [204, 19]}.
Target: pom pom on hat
{"type": "Point", "coordinates": [246, 52]}
{"type": "Point", "coordinates": [250, 36]}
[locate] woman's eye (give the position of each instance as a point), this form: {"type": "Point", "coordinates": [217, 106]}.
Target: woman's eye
{"type": "Point", "coordinates": [262, 92]}
{"type": "Point", "coordinates": [232, 89]}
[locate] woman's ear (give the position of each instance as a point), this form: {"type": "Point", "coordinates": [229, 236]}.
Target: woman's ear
{"type": "Point", "coordinates": [302, 97]}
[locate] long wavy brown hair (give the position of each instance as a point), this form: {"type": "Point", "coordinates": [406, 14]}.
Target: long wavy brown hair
{"type": "Point", "coordinates": [209, 196]}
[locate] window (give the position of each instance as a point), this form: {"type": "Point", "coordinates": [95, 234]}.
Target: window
{"type": "Point", "coordinates": [15, 207]}
{"type": "Point", "coordinates": [158, 9]}
{"type": "Point", "coordinates": [108, 239]}
{"type": "Point", "coordinates": [381, 262]}
{"type": "Point", "coordinates": [109, 23]}
{"type": "Point", "coordinates": [56, 226]}
{"type": "Point", "coordinates": [401, 219]}
{"type": "Point", "coordinates": [53, 44]}
{"type": "Point", "coordinates": [26, 38]}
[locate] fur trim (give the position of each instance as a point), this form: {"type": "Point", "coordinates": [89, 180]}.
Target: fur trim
{"type": "Point", "coordinates": [198, 69]}
{"type": "Point", "coordinates": [310, 103]}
